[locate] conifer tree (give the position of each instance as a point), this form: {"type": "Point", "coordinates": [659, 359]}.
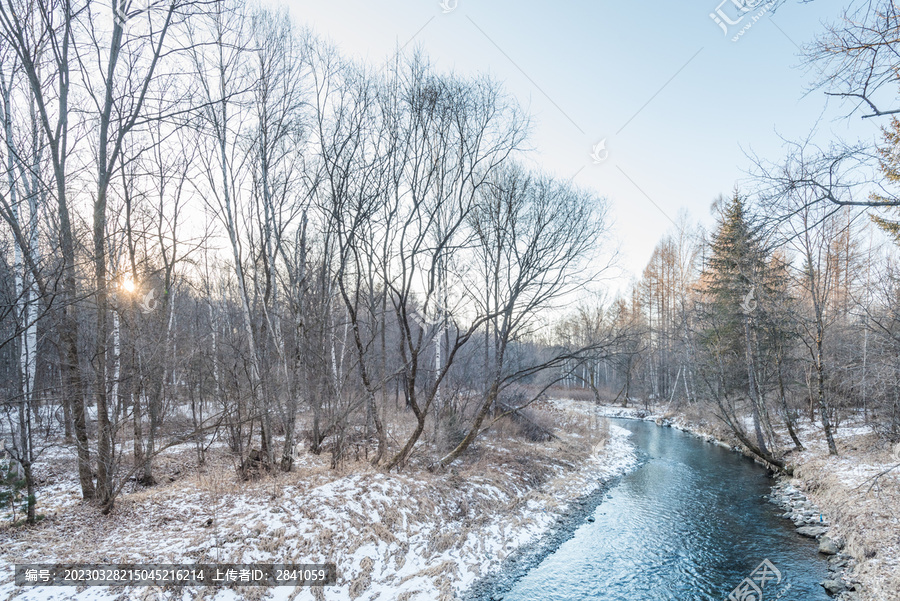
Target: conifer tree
{"type": "Point", "coordinates": [734, 280]}
{"type": "Point", "coordinates": [890, 168]}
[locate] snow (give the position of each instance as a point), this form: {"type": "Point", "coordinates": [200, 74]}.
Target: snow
{"type": "Point", "coordinates": [426, 536]}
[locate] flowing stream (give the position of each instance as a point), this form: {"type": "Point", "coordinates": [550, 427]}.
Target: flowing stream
{"type": "Point", "coordinates": [691, 523]}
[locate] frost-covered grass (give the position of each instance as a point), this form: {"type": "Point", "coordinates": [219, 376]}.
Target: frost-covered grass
{"type": "Point", "coordinates": [860, 491]}
{"type": "Point", "coordinates": [407, 536]}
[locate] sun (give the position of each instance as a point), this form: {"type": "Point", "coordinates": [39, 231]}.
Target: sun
{"type": "Point", "coordinates": [128, 284]}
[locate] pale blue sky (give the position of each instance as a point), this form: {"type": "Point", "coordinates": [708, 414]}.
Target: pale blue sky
{"type": "Point", "coordinates": [586, 69]}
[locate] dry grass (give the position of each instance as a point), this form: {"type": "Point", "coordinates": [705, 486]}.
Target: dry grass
{"type": "Point", "coordinates": [362, 582]}
{"type": "Point", "coordinates": [208, 514]}
{"type": "Point", "coordinates": [863, 507]}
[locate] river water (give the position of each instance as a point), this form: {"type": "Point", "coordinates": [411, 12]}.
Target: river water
{"type": "Point", "coordinates": [690, 524]}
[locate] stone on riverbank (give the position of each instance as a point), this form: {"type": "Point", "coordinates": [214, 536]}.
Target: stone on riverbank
{"type": "Point", "coordinates": [812, 531]}
{"type": "Point", "coordinates": [828, 547]}
{"type": "Point", "coordinates": [833, 587]}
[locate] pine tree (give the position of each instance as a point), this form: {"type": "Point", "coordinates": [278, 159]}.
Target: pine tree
{"type": "Point", "coordinates": [734, 279]}
{"type": "Point", "coordinates": [737, 261]}
{"type": "Point", "coordinates": [890, 167]}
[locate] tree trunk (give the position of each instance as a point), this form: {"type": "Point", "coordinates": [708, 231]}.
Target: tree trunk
{"type": "Point", "coordinates": [754, 390]}
{"type": "Point", "coordinates": [420, 414]}
{"type": "Point", "coordinates": [788, 420]}
{"type": "Point", "coordinates": [26, 455]}
{"type": "Point", "coordinates": [820, 389]}
{"type": "Point", "coordinates": [476, 426]}
{"type": "Point", "coordinates": [104, 427]}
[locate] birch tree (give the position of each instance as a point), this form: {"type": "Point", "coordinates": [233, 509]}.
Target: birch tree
{"type": "Point", "coordinates": [41, 37]}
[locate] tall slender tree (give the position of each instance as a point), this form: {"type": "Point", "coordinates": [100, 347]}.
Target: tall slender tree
{"type": "Point", "coordinates": [733, 281]}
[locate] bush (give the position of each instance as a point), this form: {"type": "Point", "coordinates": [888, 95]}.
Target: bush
{"type": "Point", "coordinates": [451, 431]}
{"type": "Point", "coordinates": [528, 425]}
{"type": "Point", "coordinates": [12, 488]}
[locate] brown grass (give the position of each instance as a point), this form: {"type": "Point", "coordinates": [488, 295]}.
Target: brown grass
{"type": "Point", "coordinates": [863, 514]}
{"type": "Point", "coordinates": [491, 483]}
{"type": "Point", "coordinates": [362, 582]}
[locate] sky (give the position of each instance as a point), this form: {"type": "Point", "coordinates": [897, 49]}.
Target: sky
{"type": "Point", "coordinates": [675, 102]}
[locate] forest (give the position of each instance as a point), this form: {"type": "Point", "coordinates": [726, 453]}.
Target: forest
{"type": "Point", "coordinates": [218, 230]}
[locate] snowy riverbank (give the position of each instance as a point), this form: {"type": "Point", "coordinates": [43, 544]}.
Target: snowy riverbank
{"type": "Point", "coordinates": [855, 494]}
{"type": "Point", "coordinates": [407, 536]}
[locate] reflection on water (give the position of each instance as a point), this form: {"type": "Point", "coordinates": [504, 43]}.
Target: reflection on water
{"type": "Point", "coordinates": [691, 523]}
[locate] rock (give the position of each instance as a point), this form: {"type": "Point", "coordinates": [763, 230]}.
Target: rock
{"type": "Point", "coordinates": [832, 587]}
{"type": "Point", "coordinates": [828, 547]}
{"type": "Point", "coordinates": [837, 562]}
{"type": "Point", "coordinates": [812, 531]}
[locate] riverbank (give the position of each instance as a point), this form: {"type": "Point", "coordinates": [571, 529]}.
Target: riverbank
{"type": "Point", "coordinates": [856, 493]}
{"type": "Point", "coordinates": [403, 536]}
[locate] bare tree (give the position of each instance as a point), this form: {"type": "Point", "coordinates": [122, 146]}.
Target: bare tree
{"type": "Point", "coordinates": [539, 235]}
{"type": "Point", "coordinates": [225, 81]}
{"type": "Point", "coordinates": [450, 138]}
{"type": "Point", "coordinates": [858, 57]}
{"type": "Point", "coordinates": [41, 36]}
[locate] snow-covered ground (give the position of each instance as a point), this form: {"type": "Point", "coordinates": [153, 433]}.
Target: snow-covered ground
{"type": "Point", "coordinates": [860, 491]}
{"type": "Point", "coordinates": [407, 536]}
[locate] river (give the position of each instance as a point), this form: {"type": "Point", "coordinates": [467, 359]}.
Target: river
{"type": "Point", "coordinates": [691, 523]}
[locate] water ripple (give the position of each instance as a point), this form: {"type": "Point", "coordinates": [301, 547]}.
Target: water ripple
{"type": "Point", "coordinates": [690, 524]}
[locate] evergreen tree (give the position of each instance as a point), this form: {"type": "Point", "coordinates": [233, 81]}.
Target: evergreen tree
{"type": "Point", "coordinates": [890, 167]}
{"type": "Point", "coordinates": [735, 280]}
